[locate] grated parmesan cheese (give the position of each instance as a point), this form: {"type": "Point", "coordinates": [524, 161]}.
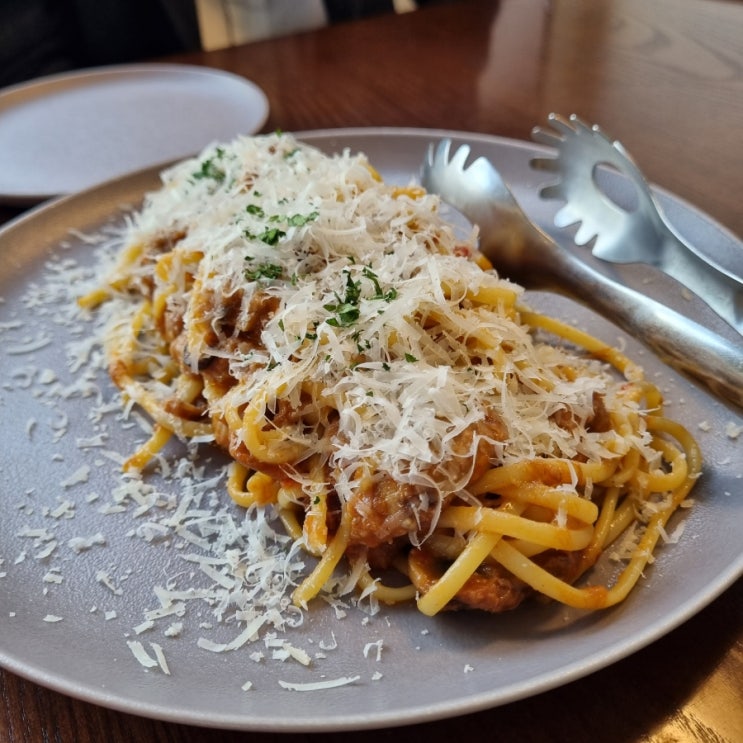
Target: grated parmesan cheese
{"type": "Point", "coordinates": [142, 656]}
{"type": "Point", "coordinates": [80, 475]}
{"type": "Point", "coordinates": [376, 646]}
{"type": "Point", "coordinates": [160, 657]}
{"type": "Point", "coordinates": [319, 685]}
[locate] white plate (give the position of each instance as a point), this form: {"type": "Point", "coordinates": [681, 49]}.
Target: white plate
{"type": "Point", "coordinates": [430, 668]}
{"type": "Point", "coordinates": [63, 133]}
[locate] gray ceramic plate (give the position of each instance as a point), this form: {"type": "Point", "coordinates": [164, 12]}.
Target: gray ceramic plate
{"type": "Point", "coordinates": [65, 625]}
{"type": "Point", "coordinates": [63, 133]}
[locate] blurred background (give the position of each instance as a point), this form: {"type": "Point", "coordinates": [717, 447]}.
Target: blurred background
{"type": "Point", "coordinates": [42, 37]}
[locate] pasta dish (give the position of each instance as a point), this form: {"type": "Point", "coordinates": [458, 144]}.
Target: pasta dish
{"type": "Point", "coordinates": [374, 381]}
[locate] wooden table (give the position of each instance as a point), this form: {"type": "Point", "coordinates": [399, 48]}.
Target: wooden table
{"type": "Point", "coordinates": [665, 77]}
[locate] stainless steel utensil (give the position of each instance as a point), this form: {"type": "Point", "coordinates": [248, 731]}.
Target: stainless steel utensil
{"type": "Point", "coordinates": [521, 251]}
{"type": "Point", "coordinates": [637, 234]}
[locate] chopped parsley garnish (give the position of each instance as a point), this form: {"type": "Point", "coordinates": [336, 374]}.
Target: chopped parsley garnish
{"type": "Point", "coordinates": [362, 344]}
{"type": "Point", "coordinates": [346, 310]}
{"type": "Point", "coordinates": [345, 315]}
{"type": "Point", "coordinates": [387, 296]}
{"type": "Point", "coordinates": [209, 169]}
{"type": "Point", "coordinates": [300, 220]}
{"type": "Point", "coordinates": [272, 235]}
{"type": "Point", "coordinates": [267, 271]}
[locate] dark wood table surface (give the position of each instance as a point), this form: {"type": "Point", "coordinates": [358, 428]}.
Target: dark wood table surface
{"type": "Point", "coordinates": [666, 78]}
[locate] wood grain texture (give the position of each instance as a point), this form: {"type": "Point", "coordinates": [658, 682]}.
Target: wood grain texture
{"type": "Point", "coordinates": [666, 78]}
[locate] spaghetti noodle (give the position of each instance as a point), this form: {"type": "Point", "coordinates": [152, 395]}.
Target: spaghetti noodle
{"type": "Point", "coordinates": [383, 389]}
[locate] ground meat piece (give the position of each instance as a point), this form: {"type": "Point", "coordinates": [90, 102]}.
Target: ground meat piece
{"type": "Point", "coordinates": [225, 330]}
{"type": "Point", "coordinates": [260, 310]}
{"type": "Point", "coordinates": [492, 588]}
{"type": "Point", "coordinates": [488, 430]}
{"type": "Point", "coordinates": [567, 566]}
{"type": "Point", "coordinates": [598, 421]}
{"type": "Point", "coordinates": [389, 509]}
{"type": "Point", "coordinates": [216, 371]}
{"type": "Point", "coordinates": [226, 336]}
{"type": "Point", "coordinates": [382, 557]}
{"type": "Point", "coordinates": [164, 242]}
{"type": "Point", "coordinates": [185, 410]}
{"type": "Point", "coordinates": [601, 419]}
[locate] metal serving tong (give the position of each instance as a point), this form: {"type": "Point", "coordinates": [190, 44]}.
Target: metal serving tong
{"type": "Point", "coordinates": [524, 253]}
{"type": "Point", "coordinates": [637, 234]}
